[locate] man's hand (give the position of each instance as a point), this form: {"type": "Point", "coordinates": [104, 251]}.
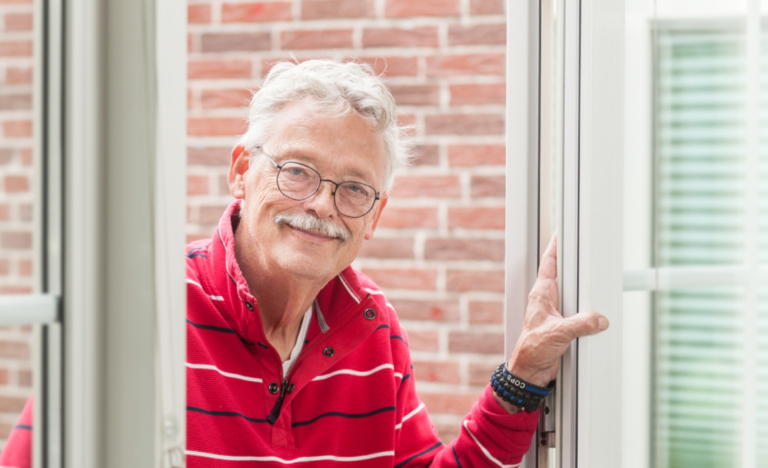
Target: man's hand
{"type": "Point", "coordinates": [546, 334]}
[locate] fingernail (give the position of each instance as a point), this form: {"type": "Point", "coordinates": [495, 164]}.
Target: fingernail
{"type": "Point", "coordinates": [602, 323]}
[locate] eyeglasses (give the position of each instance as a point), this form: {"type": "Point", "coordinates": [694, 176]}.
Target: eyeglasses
{"type": "Point", "coordinates": [298, 181]}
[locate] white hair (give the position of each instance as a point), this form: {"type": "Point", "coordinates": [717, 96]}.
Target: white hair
{"type": "Point", "coordinates": [331, 88]}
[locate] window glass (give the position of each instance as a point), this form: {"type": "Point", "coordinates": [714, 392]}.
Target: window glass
{"type": "Point", "coordinates": [17, 204]}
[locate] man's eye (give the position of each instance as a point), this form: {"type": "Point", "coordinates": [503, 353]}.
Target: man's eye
{"type": "Point", "coordinates": [356, 189]}
{"type": "Point", "coordinates": [296, 171]}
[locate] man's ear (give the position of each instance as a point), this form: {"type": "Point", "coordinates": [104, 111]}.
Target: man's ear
{"type": "Point", "coordinates": [376, 214]}
{"type": "Point", "coordinates": [237, 169]}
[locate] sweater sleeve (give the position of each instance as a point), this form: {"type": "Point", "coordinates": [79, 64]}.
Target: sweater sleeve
{"type": "Point", "coordinates": [17, 452]}
{"type": "Point", "coordinates": [489, 435]}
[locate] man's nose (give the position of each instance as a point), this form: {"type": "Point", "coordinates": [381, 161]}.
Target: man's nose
{"type": "Point", "coordinates": [322, 202]}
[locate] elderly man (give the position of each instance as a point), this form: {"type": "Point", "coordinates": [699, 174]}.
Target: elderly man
{"type": "Point", "coordinates": [293, 356]}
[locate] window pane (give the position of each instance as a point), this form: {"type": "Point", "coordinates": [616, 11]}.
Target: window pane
{"type": "Point", "coordinates": [17, 203]}
{"type": "Point", "coordinates": [16, 150]}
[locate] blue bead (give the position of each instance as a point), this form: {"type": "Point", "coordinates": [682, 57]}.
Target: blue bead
{"type": "Point", "coordinates": [498, 388]}
{"type": "Point", "coordinates": [506, 393]}
{"type": "Point", "coordinates": [495, 382]}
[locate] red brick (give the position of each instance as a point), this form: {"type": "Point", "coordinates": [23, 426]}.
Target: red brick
{"type": "Point", "coordinates": [208, 156]}
{"type": "Point", "coordinates": [476, 217]}
{"type": "Point", "coordinates": [451, 403]}
{"type": "Point", "coordinates": [476, 155]}
{"type": "Point", "coordinates": [18, 22]}
{"type": "Point", "coordinates": [14, 349]}
{"type": "Point", "coordinates": [210, 215]}
{"type": "Point", "coordinates": [401, 278]}
{"type": "Point", "coordinates": [427, 186]}
{"type": "Point", "coordinates": [208, 69]}
{"type": "Point", "coordinates": [199, 13]}
{"type": "Point", "coordinates": [15, 48]}
{"type": "Point", "coordinates": [4, 376]}
{"type": "Point", "coordinates": [16, 75]}
{"type": "Point", "coordinates": [435, 311]}
{"type": "Point", "coordinates": [316, 39]}
{"type": "Point", "coordinates": [462, 280]}
{"type": "Point", "coordinates": [479, 34]}
{"type": "Point", "coordinates": [5, 212]}
{"type": "Point", "coordinates": [425, 36]}
{"type": "Point", "coordinates": [488, 186]}
{"type": "Point", "coordinates": [464, 249]}
{"type": "Point", "coordinates": [486, 312]}
{"type": "Point", "coordinates": [15, 290]}
{"type": "Point", "coordinates": [480, 372]}
{"type": "Point", "coordinates": [9, 404]}
{"type": "Point", "coordinates": [236, 42]}
{"type": "Point", "coordinates": [5, 267]}
{"type": "Point", "coordinates": [478, 94]}
{"type": "Point", "coordinates": [387, 248]}
{"type": "Point", "coordinates": [16, 240]}
{"type": "Point", "coordinates": [447, 432]}
{"type": "Point", "coordinates": [406, 8]}
{"type": "Point", "coordinates": [419, 340]}
{"type": "Point", "coordinates": [267, 64]}
{"type": "Point", "coordinates": [214, 98]}
{"type": "Point", "coordinates": [16, 184]}
{"type": "Point", "coordinates": [429, 371]}
{"type": "Point", "coordinates": [400, 217]}
{"type": "Point", "coordinates": [464, 124]}
{"type": "Point", "coordinates": [26, 211]}
{"type": "Point", "coordinates": [416, 95]}
{"type": "Point", "coordinates": [17, 128]}
{"type": "Point", "coordinates": [406, 120]}
{"type": "Point", "coordinates": [26, 156]}
{"type": "Point", "coordinates": [21, 101]}
{"type": "Point", "coordinates": [196, 237]}
{"type": "Point", "coordinates": [426, 155]}
{"type": "Point", "coordinates": [191, 44]}
{"type": "Point", "coordinates": [224, 185]}
{"type": "Point", "coordinates": [216, 126]}
{"type": "Point", "coordinates": [197, 185]}
{"type": "Point", "coordinates": [470, 64]}
{"type": "Point", "coordinates": [325, 9]}
{"type": "Point", "coordinates": [255, 12]}
{"type": "Point", "coordinates": [476, 342]}
{"type": "Point", "coordinates": [25, 267]}
{"type": "Point", "coordinates": [393, 66]}
{"type": "Point", "coordinates": [486, 7]}
{"type": "Point", "coordinates": [25, 378]}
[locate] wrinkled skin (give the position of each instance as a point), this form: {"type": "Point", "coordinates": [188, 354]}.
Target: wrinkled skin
{"type": "Point", "coordinates": [546, 334]}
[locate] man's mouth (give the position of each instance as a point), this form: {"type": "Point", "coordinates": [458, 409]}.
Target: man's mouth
{"type": "Point", "coordinates": [312, 233]}
{"type": "Point", "coordinates": [313, 228]}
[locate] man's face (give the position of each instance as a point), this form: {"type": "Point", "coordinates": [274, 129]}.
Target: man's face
{"type": "Point", "coordinates": [340, 149]}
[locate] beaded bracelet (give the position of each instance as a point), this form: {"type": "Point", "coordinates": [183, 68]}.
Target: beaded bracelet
{"type": "Point", "coordinates": [517, 391]}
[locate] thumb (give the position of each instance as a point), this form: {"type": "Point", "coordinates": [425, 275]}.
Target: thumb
{"type": "Point", "coordinates": [585, 323]}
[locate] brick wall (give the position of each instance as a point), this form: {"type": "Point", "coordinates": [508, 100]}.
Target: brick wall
{"type": "Point", "coordinates": [438, 252]}
{"type": "Point", "coordinates": [16, 199]}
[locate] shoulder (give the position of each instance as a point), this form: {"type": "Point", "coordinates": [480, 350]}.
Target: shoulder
{"type": "Point", "coordinates": [196, 254]}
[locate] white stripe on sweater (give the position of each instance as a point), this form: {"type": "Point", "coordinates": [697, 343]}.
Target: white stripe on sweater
{"type": "Point", "coordinates": [291, 461]}
{"type": "Point", "coordinates": [357, 373]}
{"type": "Point", "coordinates": [225, 374]}
{"type": "Point", "coordinates": [409, 416]}
{"type": "Point", "coordinates": [485, 451]}
{"type": "Point", "coordinates": [215, 298]}
{"type": "Point", "coordinates": [349, 290]}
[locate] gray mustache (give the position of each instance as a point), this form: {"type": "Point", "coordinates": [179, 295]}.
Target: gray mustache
{"type": "Point", "coordinates": [308, 222]}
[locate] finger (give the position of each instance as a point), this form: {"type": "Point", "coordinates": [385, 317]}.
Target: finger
{"type": "Point", "coordinates": [585, 323]}
{"type": "Point", "coordinates": [548, 265]}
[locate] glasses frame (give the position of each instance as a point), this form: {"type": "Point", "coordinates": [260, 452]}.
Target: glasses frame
{"type": "Point", "coordinates": [336, 184]}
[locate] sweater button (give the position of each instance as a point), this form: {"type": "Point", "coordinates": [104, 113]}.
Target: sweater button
{"type": "Point", "coordinates": [370, 314]}
{"type": "Point", "coordinates": [273, 388]}
{"type": "Point", "coordinates": [290, 388]}
{"type": "Point", "coordinates": [328, 352]}
{"type": "Point", "coordinates": [249, 305]}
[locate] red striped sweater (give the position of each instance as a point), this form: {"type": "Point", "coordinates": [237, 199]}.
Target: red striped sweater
{"type": "Point", "coordinates": [348, 401]}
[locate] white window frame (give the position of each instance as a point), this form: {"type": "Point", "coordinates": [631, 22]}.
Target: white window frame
{"type": "Point", "coordinates": [588, 401]}
{"type": "Point", "coordinates": [109, 297]}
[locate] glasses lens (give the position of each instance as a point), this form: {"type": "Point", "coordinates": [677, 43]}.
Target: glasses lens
{"type": "Point", "coordinates": [354, 199]}
{"type": "Point", "coordinates": [297, 180]}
